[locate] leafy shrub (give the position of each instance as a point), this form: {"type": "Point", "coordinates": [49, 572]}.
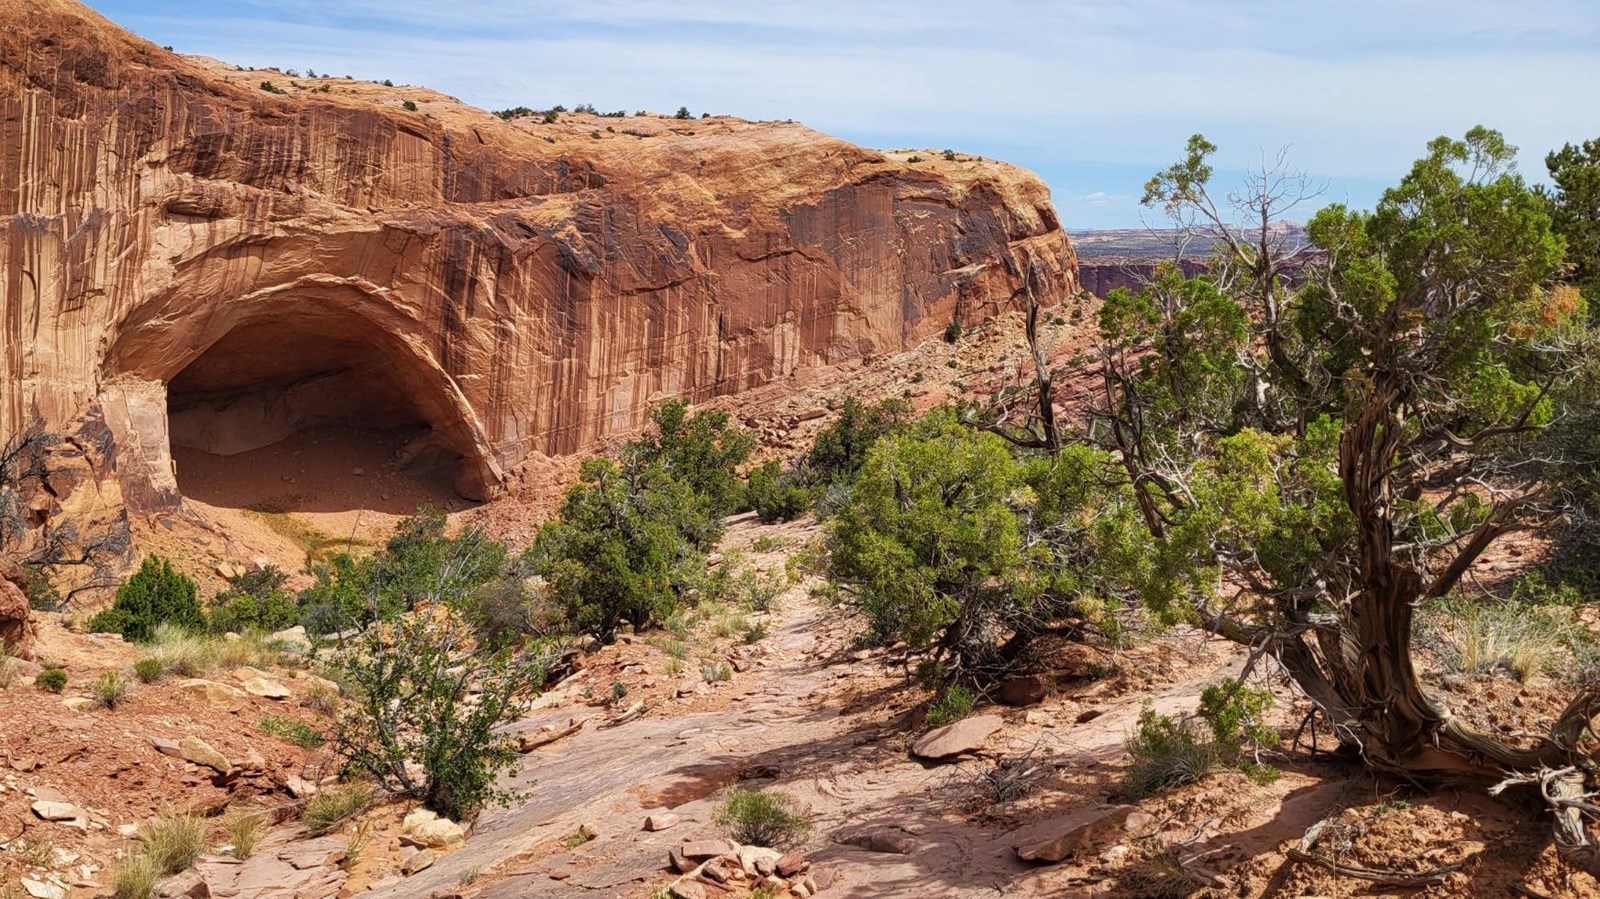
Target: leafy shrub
{"type": "Point", "coordinates": [771, 819]}
{"type": "Point", "coordinates": [409, 106]}
{"type": "Point", "coordinates": [110, 688]}
{"type": "Point", "coordinates": [148, 670]}
{"type": "Point", "coordinates": [955, 703]}
{"type": "Point", "coordinates": [776, 496]}
{"type": "Point", "coordinates": [42, 595]}
{"type": "Point", "coordinates": [841, 448]}
{"type": "Point", "coordinates": [335, 805]}
{"type": "Point", "coordinates": [296, 732]}
{"type": "Point", "coordinates": [1167, 752]}
{"type": "Point", "coordinates": [682, 113]}
{"type": "Point", "coordinates": [952, 332]}
{"type": "Point", "coordinates": [254, 601]}
{"type": "Point", "coordinates": [174, 840]}
{"type": "Point", "coordinates": [913, 159]}
{"type": "Point", "coordinates": [949, 156]}
{"type": "Point", "coordinates": [53, 680]}
{"type": "Point", "coordinates": [271, 88]}
{"type": "Point", "coordinates": [425, 693]}
{"type": "Point", "coordinates": [156, 594]}
{"type": "Point", "coordinates": [703, 450]}
{"type": "Point", "coordinates": [418, 564]}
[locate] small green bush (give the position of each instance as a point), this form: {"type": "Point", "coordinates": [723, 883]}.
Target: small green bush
{"type": "Point", "coordinates": [156, 594]}
{"type": "Point", "coordinates": [409, 106]}
{"type": "Point", "coordinates": [1167, 752]}
{"type": "Point", "coordinates": [254, 601]}
{"type": "Point", "coordinates": [949, 156]}
{"type": "Point", "coordinates": [776, 496]}
{"type": "Point", "coordinates": [148, 670]}
{"type": "Point", "coordinates": [683, 113]}
{"type": "Point", "coordinates": [955, 703]}
{"type": "Point", "coordinates": [952, 331]}
{"type": "Point", "coordinates": [771, 819]}
{"type": "Point", "coordinates": [52, 679]}
{"type": "Point", "coordinates": [271, 88]}
{"type": "Point", "coordinates": [110, 688]}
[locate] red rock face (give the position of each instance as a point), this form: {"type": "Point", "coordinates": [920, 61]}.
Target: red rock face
{"type": "Point", "coordinates": [187, 257]}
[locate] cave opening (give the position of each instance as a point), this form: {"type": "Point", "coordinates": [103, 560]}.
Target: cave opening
{"type": "Point", "coordinates": [312, 413]}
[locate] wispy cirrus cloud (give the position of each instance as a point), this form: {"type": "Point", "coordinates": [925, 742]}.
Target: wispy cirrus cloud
{"type": "Point", "coordinates": [1093, 95]}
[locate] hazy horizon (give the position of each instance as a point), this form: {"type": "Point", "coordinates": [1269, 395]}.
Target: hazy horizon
{"type": "Point", "coordinates": [1093, 96]}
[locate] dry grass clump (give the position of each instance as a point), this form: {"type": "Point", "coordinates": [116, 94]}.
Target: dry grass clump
{"type": "Point", "coordinates": [110, 689]}
{"type": "Point", "coordinates": [189, 654]}
{"type": "Point", "coordinates": [1524, 641]}
{"type": "Point", "coordinates": [135, 877]}
{"type": "Point", "coordinates": [244, 830]}
{"type": "Point", "coordinates": [174, 840]}
{"type": "Point", "coordinates": [336, 805]}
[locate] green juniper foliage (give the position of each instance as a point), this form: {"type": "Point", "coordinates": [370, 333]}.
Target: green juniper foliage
{"type": "Point", "coordinates": [156, 594]}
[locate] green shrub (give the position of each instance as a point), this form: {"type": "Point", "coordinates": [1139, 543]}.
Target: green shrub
{"type": "Point", "coordinates": [409, 106]}
{"type": "Point", "coordinates": [271, 88]}
{"type": "Point", "coordinates": [174, 841]}
{"type": "Point", "coordinates": [683, 113]}
{"type": "Point", "coordinates": [427, 696]}
{"type": "Point", "coordinates": [949, 156]}
{"type": "Point", "coordinates": [335, 805]}
{"type": "Point", "coordinates": [255, 601]}
{"type": "Point", "coordinates": [110, 688]}
{"type": "Point", "coordinates": [771, 819]}
{"type": "Point", "coordinates": [156, 594]}
{"type": "Point", "coordinates": [952, 331]}
{"type": "Point", "coordinates": [955, 703]}
{"type": "Point", "coordinates": [776, 496]}
{"type": "Point", "coordinates": [53, 680]}
{"type": "Point", "coordinates": [1226, 732]}
{"type": "Point", "coordinates": [841, 448]}
{"type": "Point", "coordinates": [148, 670]}
{"type": "Point", "coordinates": [42, 594]}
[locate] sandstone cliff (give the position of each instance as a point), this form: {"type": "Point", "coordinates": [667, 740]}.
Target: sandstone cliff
{"type": "Point", "coordinates": [186, 257]}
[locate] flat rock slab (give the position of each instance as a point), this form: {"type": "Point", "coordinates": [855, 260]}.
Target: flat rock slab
{"type": "Point", "coordinates": [888, 840]}
{"type": "Point", "coordinates": [966, 735]}
{"type": "Point", "coordinates": [1076, 834]}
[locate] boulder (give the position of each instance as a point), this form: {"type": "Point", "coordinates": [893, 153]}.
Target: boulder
{"type": "Point", "coordinates": [54, 810]}
{"type": "Point", "coordinates": [293, 638]}
{"type": "Point", "coordinates": [759, 861]}
{"type": "Point", "coordinates": [966, 735]}
{"type": "Point", "coordinates": [420, 861]}
{"type": "Point", "coordinates": [188, 885]}
{"type": "Point", "coordinates": [218, 696]}
{"type": "Point", "coordinates": [1027, 689]}
{"type": "Point", "coordinates": [198, 751]}
{"type": "Point", "coordinates": [426, 830]}
{"type": "Point", "coordinates": [661, 821]}
{"type": "Point", "coordinates": [17, 633]}
{"type": "Point", "coordinates": [265, 687]}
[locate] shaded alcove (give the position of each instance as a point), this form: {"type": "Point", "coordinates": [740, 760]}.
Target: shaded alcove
{"type": "Point", "coordinates": [316, 411]}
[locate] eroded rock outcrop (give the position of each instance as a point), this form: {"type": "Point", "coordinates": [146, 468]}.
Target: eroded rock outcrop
{"type": "Point", "coordinates": [186, 257]}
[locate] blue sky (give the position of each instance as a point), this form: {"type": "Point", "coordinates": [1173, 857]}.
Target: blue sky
{"type": "Point", "coordinates": [1094, 96]}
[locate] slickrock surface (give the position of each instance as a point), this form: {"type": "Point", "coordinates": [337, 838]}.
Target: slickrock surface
{"type": "Point", "coordinates": [190, 259]}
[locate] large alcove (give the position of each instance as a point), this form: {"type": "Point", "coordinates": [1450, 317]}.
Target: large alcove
{"type": "Point", "coordinates": [316, 411]}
